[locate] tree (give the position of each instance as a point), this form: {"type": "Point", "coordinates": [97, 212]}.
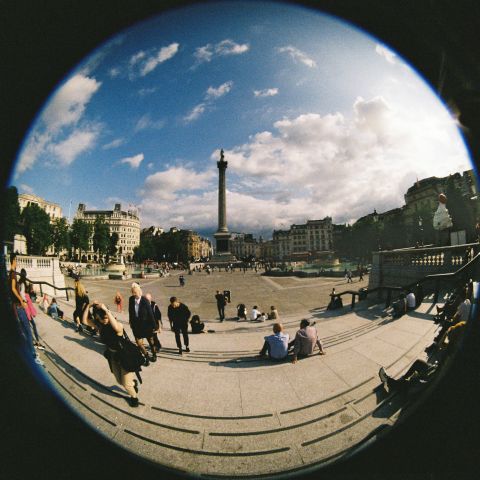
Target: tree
{"type": "Point", "coordinates": [11, 214]}
{"type": "Point", "coordinates": [37, 229]}
{"type": "Point", "coordinates": [146, 250]}
{"type": "Point", "coordinates": [101, 236]}
{"type": "Point", "coordinates": [80, 235]}
{"type": "Point", "coordinates": [60, 234]}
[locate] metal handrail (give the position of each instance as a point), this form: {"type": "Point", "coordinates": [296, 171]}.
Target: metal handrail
{"type": "Point", "coordinates": [438, 277]}
{"type": "Point", "coordinates": [38, 282]}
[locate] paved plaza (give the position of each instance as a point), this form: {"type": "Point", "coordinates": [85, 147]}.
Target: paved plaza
{"type": "Point", "coordinates": [222, 411]}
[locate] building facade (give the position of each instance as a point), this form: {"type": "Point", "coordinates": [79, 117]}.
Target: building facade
{"type": "Point", "coordinates": [126, 223]}
{"type": "Point", "coordinates": [53, 210]}
{"type": "Point", "coordinates": [310, 240]}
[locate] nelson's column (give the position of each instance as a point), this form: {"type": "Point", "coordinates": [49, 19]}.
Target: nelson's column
{"type": "Point", "coordinates": [222, 236]}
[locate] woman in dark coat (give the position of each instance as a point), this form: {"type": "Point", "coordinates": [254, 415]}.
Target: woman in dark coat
{"type": "Point", "coordinates": [142, 321]}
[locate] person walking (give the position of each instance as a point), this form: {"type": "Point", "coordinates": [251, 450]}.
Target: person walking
{"type": "Point", "coordinates": [81, 303]}
{"type": "Point", "coordinates": [111, 333]}
{"type": "Point", "coordinates": [221, 302]}
{"type": "Point", "coordinates": [178, 315]}
{"type": "Point", "coordinates": [142, 322]}
{"type": "Point", "coordinates": [118, 301]}
{"type": "Point", "coordinates": [181, 280]}
{"type": "Point", "coordinates": [157, 314]}
{"type": "Point", "coordinates": [19, 306]}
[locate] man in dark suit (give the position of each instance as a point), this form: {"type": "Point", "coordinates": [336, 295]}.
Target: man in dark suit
{"type": "Point", "coordinates": [178, 315]}
{"type": "Point", "coordinates": [142, 321]}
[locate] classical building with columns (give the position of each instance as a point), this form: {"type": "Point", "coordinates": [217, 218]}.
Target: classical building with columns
{"type": "Point", "coordinates": [126, 223]}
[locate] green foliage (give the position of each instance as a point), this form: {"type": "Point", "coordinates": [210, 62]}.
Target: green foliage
{"type": "Point", "coordinates": [60, 234]}
{"type": "Point", "coordinates": [37, 229]}
{"type": "Point", "coordinates": [146, 250]}
{"type": "Point", "coordinates": [11, 214]}
{"type": "Point", "coordinates": [81, 232]}
{"type": "Point", "coordinates": [101, 236]}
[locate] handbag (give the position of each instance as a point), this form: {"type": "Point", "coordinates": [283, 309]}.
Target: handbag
{"type": "Point", "coordinates": [129, 355]}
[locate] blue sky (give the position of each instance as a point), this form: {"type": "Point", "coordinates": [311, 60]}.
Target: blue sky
{"type": "Point", "coordinates": [316, 118]}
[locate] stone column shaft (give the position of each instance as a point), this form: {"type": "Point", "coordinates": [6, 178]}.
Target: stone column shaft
{"type": "Point", "coordinates": [222, 200]}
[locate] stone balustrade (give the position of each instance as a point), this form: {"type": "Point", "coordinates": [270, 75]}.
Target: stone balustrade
{"type": "Point", "coordinates": [42, 269]}
{"type": "Point", "coordinates": [404, 266]}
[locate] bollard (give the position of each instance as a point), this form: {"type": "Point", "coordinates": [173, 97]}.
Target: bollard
{"type": "Point", "coordinates": [353, 301]}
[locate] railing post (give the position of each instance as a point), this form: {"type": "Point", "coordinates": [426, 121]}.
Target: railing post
{"type": "Point", "coordinates": [389, 298]}
{"type": "Point", "coordinates": [353, 301]}
{"type": "Point", "coordinates": [66, 291]}
{"type": "Point", "coordinates": [41, 290]}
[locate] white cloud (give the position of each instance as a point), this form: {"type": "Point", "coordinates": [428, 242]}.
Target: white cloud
{"type": "Point", "coordinates": [78, 142]}
{"type": "Point", "coordinates": [165, 184]}
{"type": "Point", "coordinates": [65, 111]}
{"type": "Point", "coordinates": [195, 113]}
{"type": "Point", "coordinates": [114, 144]}
{"type": "Point", "coordinates": [386, 53]}
{"type": "Point", "coordinates": [114, 72]}
{"type": "Point", "coordinates": [147, 91]}
{"type": "Point", "coordinates": [298, 55]}
{"type": "Point", "coordinates": [224, 48]}
{"type": "Point", "coordinates": [146, 122]}
{"type": "Point", "coordinates": [214, 93]}
{"type": "Point", "coordinates": [268, 92]}
{"type": "Point", "coordinates": [69, 103]}
{"type": "Point", "coordinates": [311, 166]}
{"type": "Point", "coordinates": [134, 59]}
{"type": "Point", "coordinates": [163, 54]}
{"type": "Point", "coordinates": [134, 161]}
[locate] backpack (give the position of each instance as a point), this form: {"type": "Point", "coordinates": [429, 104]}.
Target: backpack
{"type": "Point", "coordinates": [129, 355]}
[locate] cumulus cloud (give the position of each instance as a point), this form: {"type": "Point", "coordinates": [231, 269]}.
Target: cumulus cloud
{"type": "Point", "coordinates": [59, 127]}
{"type": "Point", "coordinates": [214, 93]}
{"type": "Point", "coordinates": [298, 55]}
{"type": "Point", "coordinates": [386, 53]}
{"type": "Point", "coordinates": [268, 92]}
{"type": "Point", "coordinates": [226, 47]}
{"type": "Point", "coordinates": [80, 141]}
{"type": "Point", "coordinates": [146, 122]}
{"type": "Point", "coordinates": [167, 183]}
{"type": "Point", "coordinates": [162, 55]}
{"type": "Point", "coordinates": [310, 166]}
{"type": "Point", "coordinates": [134, 161]}
{"type": "Point", "coordinates": [69, 103]}
{"type": "Point", "coordinates": [195, 113]}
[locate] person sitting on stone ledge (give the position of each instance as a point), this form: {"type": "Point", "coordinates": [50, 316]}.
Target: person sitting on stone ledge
{"type": "Point", "coordinates": [306, 339]}
{"type": "Point", "coordinates": [450, 306]}
{"type": "Point", "coordinates": [276, 345]}
{"type": "Point", "coordinates": [399, 306]}
{"type": "Point", "coordinates": [197, 325]}
{"type": "Point", "coordinates": [411, 303]}
{"type": "Point", "coordinates": [54, 311]}
{"type": "Point", "coordinates": [273, 315]}
{"type": "Point", "coordinates": [241, 312]}
{"type": "Point", "coordinates": [421, 370]}
{"type": "Point", "coordinates": [254, 314]}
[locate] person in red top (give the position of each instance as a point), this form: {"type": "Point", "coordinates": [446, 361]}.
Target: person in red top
{"type": "Point", "coordinates": [118, 301]}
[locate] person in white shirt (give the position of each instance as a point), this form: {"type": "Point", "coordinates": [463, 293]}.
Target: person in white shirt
{"type": "Point", "coordinates": [254, 314]}
{"type": "Point", "coordinates": [411, 302]}
{"type": "Point", "coordinates": [277, 344]}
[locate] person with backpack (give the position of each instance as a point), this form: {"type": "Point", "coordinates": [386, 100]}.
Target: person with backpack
{"type": "Point", "coordinates": [112, 335]}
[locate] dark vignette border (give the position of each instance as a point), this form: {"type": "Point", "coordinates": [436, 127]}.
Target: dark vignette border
{"type": "Point", "coordinates": [40, 42]}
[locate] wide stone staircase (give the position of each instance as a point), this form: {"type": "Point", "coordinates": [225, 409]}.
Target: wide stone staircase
{"type": "Point", "coordinates": [220, 411]}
